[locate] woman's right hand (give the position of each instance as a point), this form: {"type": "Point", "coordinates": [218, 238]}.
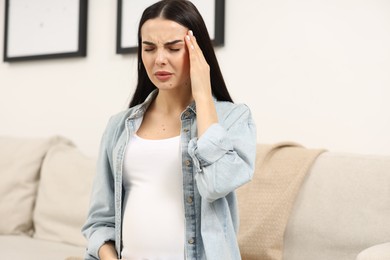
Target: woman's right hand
{"type": "Point", "coordinates": [107, 251]}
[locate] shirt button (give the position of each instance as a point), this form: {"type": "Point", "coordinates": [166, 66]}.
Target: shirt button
{"type": "Point", "coordinates": [185, 130]}
{"type": "Point", "coordinates": [188, 163]}
{"type": "Point", "coordinates": [191, 241]}
{"type": "Point", "coordinates": [187, 113]}
{"type": "Point", "coordinates": [189, 200]}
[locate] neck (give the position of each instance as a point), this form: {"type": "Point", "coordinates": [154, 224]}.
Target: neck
{"type": "Point", "coordinates": [172, 101]}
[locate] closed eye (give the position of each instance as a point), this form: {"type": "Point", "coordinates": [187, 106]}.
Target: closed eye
{"type": "Point", "coordinates": [149, 49]}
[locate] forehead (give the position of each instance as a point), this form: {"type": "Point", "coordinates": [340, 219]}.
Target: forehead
{"type": "Point", "coordinates": [162, 30]}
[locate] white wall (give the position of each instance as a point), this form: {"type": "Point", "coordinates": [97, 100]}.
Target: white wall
{"type": "Point", "coordinates": [313, 72]}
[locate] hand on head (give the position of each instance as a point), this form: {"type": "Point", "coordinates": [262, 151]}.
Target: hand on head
{"type": "Point", "coordinates": [199, 69]}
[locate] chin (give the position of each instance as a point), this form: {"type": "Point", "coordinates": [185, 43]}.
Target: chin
{"type": "Point", "coordinates": [165, 85]}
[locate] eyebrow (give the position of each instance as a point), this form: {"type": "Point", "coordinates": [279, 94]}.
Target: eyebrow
{"type": "Point", "coordinates": [165, 44]}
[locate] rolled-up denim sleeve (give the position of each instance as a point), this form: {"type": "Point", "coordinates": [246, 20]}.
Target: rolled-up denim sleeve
{"type": "Point", "coordinates": [224, 155]}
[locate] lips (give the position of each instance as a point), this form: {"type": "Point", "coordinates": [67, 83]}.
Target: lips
{"type": "Point", "coordinates": [163, 75]}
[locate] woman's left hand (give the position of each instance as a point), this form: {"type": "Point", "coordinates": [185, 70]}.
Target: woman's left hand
{"type": "Point", "coordinates": [199, 70]}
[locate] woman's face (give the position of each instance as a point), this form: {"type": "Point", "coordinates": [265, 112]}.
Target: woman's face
{"type": "Point", "coordinates": [164, 53]}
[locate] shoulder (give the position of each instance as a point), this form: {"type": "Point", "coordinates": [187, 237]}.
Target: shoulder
{"type": "Point", "coordinates": [119, 118]}
{"type": "Point", "coordinates": [116, 120]}
{"type": "Point", "coordinates": [229, 112]}
{"type": "Point", "coordinates": [226, 106]}
{"type": "Point", "coordinates": [116, 123]}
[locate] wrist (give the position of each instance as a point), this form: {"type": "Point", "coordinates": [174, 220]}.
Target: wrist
{"type": "Point", "coordinates": [205, 98]}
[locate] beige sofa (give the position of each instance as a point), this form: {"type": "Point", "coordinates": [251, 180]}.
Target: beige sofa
{"type": "Point", "coordinates": [306, 204]}
{"type": "Point", "coordinates": [341, 210]}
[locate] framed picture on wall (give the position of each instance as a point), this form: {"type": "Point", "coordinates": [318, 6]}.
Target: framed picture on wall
{"type": "Point", "coordinates": [129, 13]}
{"type": "Point", "coordinates": [44, 29]}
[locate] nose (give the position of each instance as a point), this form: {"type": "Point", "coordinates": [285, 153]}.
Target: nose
{"type": "Point", "coordinates": [161, 58]}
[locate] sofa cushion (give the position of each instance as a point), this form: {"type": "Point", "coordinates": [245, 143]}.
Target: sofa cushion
{"type": "Point", "coordinates": [343, 207]}
{"type": "Point", "coordinates": [20, 162]}
{"type": "Point", "coordinates": [63, 195]}
{"type": "Point", "coordinates": [24, 247]}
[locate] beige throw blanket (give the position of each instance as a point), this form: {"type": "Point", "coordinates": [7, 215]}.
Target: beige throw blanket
{"type": "Point", "coordinates": [266, 202]}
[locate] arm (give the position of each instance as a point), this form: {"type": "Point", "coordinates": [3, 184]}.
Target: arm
{"type": "Point", "coordinates": [100, 224]}
{"type": "Point", "coordinates": [224, 154]}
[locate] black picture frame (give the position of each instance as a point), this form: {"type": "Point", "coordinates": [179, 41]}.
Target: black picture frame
{"type": "Point", "coordinates": [53, 29]}
{"type": "Point", "coordinates": [122, 47]}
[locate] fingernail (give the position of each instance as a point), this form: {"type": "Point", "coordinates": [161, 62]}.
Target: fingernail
{"type": "Point", "coordinates": [187, 37]}
{"type": "Point", "coordinates": [192, 34]}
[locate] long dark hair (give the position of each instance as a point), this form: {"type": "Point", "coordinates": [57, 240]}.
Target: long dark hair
{"type": "Point", "coordinates": [185, 13]}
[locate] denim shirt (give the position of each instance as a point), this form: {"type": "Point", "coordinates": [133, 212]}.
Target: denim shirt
{"type": "Point", "coordinates": [213, 166]}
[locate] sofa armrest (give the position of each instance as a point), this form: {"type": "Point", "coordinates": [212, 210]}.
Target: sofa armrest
{"type": "Point", "coordinates": [380, 251]}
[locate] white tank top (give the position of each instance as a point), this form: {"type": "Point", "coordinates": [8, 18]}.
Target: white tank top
{"type": "Point", "coordinates": [153, 221]}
